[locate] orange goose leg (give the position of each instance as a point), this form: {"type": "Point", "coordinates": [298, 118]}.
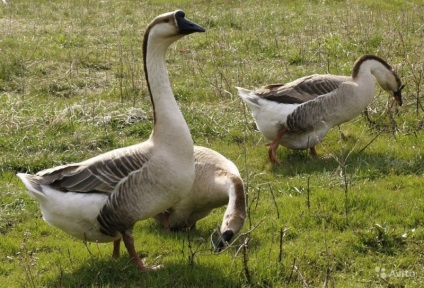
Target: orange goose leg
{"type": "Point", "coordinates": [272, 150]}
{"type": "Point", "coordinates": [116, 244]}
{"type": "Point", "coordinates": [129, 244]}
{"type": "Point", "coordinates": [165, 221]}
{"type": "Point", "coordinates": [313, 151]}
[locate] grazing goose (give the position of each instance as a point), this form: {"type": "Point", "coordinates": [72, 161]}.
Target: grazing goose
{"type": "Point", "coordinates": [217, 182]}
{"type": "Point", "coordinates": [299, 114]}
{"type": "Point", "coordinates": [102, 198]}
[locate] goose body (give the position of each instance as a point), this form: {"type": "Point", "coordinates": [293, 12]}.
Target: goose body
{"type": "Point", "coordinates": [102, 198]}
{"type": "Point", "coordinates": [299, 114]}
{"type": "Point", "coordinates": [217, 182]}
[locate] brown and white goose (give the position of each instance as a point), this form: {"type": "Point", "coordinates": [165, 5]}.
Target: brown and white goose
{"type": "Point", "coordinates": [299, 114]}
{"type": "Point", "coordinates": [102, 198]}
{"type": "Point", "coordinates": [217, 182]}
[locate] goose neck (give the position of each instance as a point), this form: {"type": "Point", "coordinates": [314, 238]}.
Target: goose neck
{"type": "Point", "coordinates": [236, 201]}
{"type": "Point", "coordinates": [364, 78]}
{"type": "Point", "coordinates": [375, 67]}
{"type": "Point", "coordinates": [169, 122]}
{"type": "Point", "coordinates": [235, 213]}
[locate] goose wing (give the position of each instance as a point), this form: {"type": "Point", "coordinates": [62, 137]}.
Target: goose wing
{"type": "Point", "coordinates": [98, 174]}
{"type": "Point", "coordinates": [301, 90]}
{"type": "Point", "coordinates": [328, 109]}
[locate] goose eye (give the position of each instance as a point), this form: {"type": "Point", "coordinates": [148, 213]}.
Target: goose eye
{"type": "Point", "coordinates": [166, 20]}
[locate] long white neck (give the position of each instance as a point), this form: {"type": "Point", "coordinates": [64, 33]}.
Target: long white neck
{"type": "Point", "coordinates": [235, 213]}
{"type": "Point", "coordinates": [366, 73]}
{"type": "Point", "coordinates": [364, 77]}
{"type": "Point", "coordinates": [170, 127]}
{"type": "Point", "coordinates": [382, 72]}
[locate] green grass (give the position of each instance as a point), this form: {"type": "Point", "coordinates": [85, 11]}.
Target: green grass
{"type": "Point", "coordinates": [72, 86]}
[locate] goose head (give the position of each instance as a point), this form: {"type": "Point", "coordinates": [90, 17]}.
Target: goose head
{"type": "Point", "coordinates": [383, 73]}
{"type": "Point", "coordinates": [231, 225]}
{"type": "Point", "coordinates": [169, 27]}
{"type": "Point", "coordinates": [390, 82]}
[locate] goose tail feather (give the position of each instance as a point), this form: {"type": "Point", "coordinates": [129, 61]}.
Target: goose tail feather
{"type": "Point", "coordinates": [250, 98]}
{"type": "Point", "coordinates": [32, 184]}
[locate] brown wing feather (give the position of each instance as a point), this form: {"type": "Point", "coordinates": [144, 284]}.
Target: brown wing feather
{"type": "Point", "coordinates": [98, 174]}
{"type": "Point", "coordinates": [301, 90]}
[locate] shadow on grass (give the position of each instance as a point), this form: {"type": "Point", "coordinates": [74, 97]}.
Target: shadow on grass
{"type": "Point", "coordinates": [122, 273]}
{"type": "Point", "coordinates": [369, 163]}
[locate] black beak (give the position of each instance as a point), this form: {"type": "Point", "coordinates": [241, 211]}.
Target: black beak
{"type": "Point", "coordinates": [224, 239]}
{"type": "Point", "coordinates": [185, 26]}
{"type": "Point", "coordinates": [398, 95]}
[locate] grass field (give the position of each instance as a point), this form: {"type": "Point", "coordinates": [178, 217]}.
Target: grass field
{"type": "Point", "coordinates": [72, 86]}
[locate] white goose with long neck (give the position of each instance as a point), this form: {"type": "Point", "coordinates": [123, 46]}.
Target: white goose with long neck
{"type": "Point", "coordinates": [101, 199]}
{"type": "Point", "coordinates": [299, 114]}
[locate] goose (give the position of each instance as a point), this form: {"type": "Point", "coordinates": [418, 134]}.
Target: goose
{"type": "Point", "coordinates": [217, 182]}
{"type": "Point", "coordinates": [101, 199]}
{"type": "Point", "coordinates": [299, 114]}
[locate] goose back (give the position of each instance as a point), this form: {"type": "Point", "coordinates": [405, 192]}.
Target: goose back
{"type": "Point", "coordinates": [302, 90]}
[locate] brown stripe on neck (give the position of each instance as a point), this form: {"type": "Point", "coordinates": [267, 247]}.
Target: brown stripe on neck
{"type": "Point", "coordinates": [240, 203]}
{"type": "Point", "coordinates": [145, 42]}
{"type": "Point", "coordinates": [365, 58]}
{"type": "Point", "coordinates": [146, 74]}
